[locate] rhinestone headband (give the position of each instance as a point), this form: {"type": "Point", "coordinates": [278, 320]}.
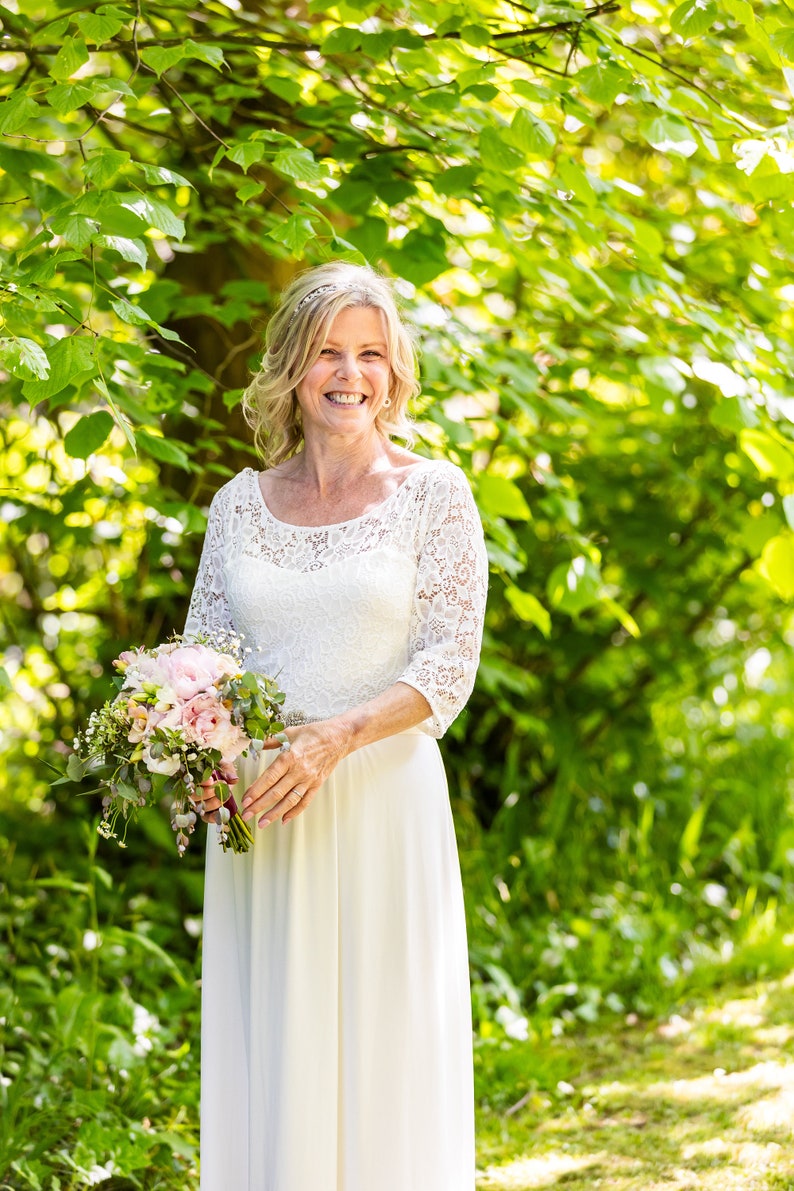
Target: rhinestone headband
{"type": "Point", "coordinates": [332, 287]}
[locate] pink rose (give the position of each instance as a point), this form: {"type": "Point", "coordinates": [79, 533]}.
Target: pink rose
{"type": "Point", "coordinates": [191, 669]}
{"type": "Point", "coordinates": [208, 724]}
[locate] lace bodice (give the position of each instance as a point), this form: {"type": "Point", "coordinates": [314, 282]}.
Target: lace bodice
{"type": "Point", "coordinates": [340, 612]}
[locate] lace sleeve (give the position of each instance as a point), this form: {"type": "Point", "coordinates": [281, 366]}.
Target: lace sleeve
{"type": "Point", "coordinates": [449, 602]}
{"type": "Point", "coordinates": [209, 609]}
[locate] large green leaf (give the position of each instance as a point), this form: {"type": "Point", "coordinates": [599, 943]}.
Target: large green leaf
{"type": "Point", "coordinates": [162, 449]}
{"type": "Point", "coordinates": [70, 57]}
{"type": "Point", "coordinates": [502, 498]}
{"type": "Point", "coordinates": [88, 435]}
{"type": "Point", "coordinates": [694, 17]}
{"type": "Point", "coordinates": [17, 111]}
{"type": "Point", "coordinates": [24, 358]}
{"type": "Point", "coordinates": [103, 23]}
{"type": "Point", "coordinates": [70, 359]}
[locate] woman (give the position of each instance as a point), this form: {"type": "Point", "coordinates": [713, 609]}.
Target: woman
{"type": "Point", "coordinates": [336, 1041]}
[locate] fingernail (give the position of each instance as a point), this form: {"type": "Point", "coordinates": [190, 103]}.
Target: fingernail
{"type": "Point", "coordinates": [264, 822]}
{"type": "Point", "coordinates": [248, 815]}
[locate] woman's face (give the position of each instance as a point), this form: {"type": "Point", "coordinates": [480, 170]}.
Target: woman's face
{"type": "Point", "coordinates": [344, 390]}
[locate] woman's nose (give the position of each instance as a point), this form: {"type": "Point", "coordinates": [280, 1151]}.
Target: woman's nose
{"type": "Point", "coordinates": [347, 365]}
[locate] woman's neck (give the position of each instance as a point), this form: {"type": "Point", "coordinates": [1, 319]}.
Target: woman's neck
{"type": "Point", "coordinates": [328, 465]}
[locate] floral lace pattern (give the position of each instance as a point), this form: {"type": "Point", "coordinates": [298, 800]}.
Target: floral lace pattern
{"type": "Point", "coordinates": [340, 612]}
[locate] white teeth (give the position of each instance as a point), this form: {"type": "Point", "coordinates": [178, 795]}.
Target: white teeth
{"type": "Point", "coordinates": [345, 398]}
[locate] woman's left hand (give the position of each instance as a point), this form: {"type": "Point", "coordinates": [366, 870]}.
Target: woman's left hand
{"type": "Point", "coordinates": [290, 783]}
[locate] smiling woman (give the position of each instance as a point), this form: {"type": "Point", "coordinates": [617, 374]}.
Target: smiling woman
{"type": "Point", "coordinates": [335, 952]}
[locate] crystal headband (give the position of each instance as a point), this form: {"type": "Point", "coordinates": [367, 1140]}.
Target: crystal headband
{"type": "Point", "coordinates": [332, 287]}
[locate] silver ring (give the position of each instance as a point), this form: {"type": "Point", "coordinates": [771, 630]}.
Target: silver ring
{"type": "Point", "coordinates": [300, 793]}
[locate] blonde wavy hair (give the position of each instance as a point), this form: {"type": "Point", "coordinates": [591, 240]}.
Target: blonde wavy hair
{"type": "Point", "coordinates": [293, 341]}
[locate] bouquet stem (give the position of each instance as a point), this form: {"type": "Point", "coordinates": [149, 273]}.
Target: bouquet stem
{"type": "Point", "coordinates": [235, 833]}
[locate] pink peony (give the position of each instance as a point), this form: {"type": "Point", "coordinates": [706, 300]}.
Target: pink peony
{"type": "Point", "coordinates": [191, 669]}
{"type": "Point", "coordinates": [208, 724]}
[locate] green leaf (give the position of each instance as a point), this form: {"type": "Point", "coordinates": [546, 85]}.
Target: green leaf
{"type": "Point", "coordinates": [783, 42]}
{"type": "Point", "coordinates": [476, 35]}
{"type": "Point", "coordinates": [155, 213]}
{"type": "Point", "coordinates": [162, 58]}
{"type": "Point", "coordinates": [247, 154]}
{"type": "Point", "coordinates": [88, 435]}
{"type": "Point", "coordinates": [496, 154]}
{"type": "Point", "coordinates": [343, 40]}
{"type": "Point", "coordinates": [67, 97]}
{"type": "Point", "coordinates": [70, 358]}
{"type": "Point", "coordinates": [74, 228]}
{"type": "Point", "coordinates": [158, 175]}
{"type": "Point", "coordinates": [299, 164]}
{"type": "Point", "coordinates": [694, 17]}
{"type": "Point", "coordinates": [502, 498]}
{"type": "Point", "coordinates": [104, 164]}
{"type": "Point", "coordinates": [771, 456]}
{"type": "Point", "coordinates": [249, 190]}
{"type": "Point", "coordinates": [603, 81]}
{"type": "Point", "coordinates": [575, 586]}
{"type": "Point", "coordinates": [211, 54]}
{"type": "Point", "coordinates": [529, 608]}
{"type": "Point", "coordinates": [17, 111]}
{"type": "Point", "coordinates": [531, 135]}
{"type": "Point", "coordinates": [575, 179]}
{"type": "Point", "coordinates": [667, 134]}
{"type": "Point", "coordinates": [70, 57]}
{"type": "Point", "coordinates": [162, 449]}
{"type": "Point", "coordinates": [102, 24]}
{"type": "Point", "coordinates": [24, 358]}
{"type": "Point", "coordinates": [127, 248]}
{"type": "Point", "coordinates": [294, 232]}
{"type": "Point", "coordinates": [777, 564]}
{"type": "Point", "coordinates": [135, 316]}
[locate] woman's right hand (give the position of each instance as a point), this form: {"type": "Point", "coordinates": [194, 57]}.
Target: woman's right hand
{"type": "Point", "coordinates": [207, 802]}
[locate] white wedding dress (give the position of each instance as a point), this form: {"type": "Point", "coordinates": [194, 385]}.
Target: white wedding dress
{"type": "Point", "coordinates": [336, 1021]}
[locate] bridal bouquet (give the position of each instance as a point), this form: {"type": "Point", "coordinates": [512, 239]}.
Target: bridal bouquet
{"type": "Point", "coordinates": [184, 712]}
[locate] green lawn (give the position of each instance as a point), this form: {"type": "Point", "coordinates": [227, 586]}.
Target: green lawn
{"type": "Point", "coordinates": [702, 1100]}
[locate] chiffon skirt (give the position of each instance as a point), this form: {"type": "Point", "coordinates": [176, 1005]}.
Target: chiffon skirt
{"type": "Point", "coordinates": [336, 1018]}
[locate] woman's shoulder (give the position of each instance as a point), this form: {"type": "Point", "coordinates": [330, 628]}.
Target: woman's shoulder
{"type": "Point", "coordinates": [236, 491]}
{"type": "Point", "coordinates": [438, 475]}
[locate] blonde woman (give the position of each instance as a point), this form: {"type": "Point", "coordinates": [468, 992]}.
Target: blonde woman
{"type": "Point", "coordinates": [336, 1041]}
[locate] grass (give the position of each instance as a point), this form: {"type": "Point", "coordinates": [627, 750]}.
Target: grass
{"type": "Point", "coordinates": [703, 1100]}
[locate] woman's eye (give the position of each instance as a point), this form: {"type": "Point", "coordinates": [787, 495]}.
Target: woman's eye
{"type": "Point", "coordinates": [374, 354]}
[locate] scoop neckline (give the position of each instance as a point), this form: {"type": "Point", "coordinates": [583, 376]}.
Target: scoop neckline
{"type": "Point", "coordinates": [350, 520]}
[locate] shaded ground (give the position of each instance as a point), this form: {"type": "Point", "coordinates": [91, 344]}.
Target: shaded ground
{"type": "Point", "coordinates": [702, 1101]}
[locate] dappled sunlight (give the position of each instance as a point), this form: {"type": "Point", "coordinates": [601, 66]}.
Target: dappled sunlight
{"type": "Point", "coordinates": [544, 1171]}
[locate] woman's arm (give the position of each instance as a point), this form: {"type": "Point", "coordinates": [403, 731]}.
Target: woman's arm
{"type": "Point", "coordinates": [290, 783]}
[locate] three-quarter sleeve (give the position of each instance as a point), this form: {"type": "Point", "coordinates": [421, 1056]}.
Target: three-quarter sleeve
{"type": "Point", "coordinates": [209, 608]}
{"type": "Point", "coordinates": [449, 601]}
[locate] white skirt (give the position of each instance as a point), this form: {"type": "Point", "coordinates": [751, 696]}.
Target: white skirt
{"type": "Point", "coordinates": [336, 1015]}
